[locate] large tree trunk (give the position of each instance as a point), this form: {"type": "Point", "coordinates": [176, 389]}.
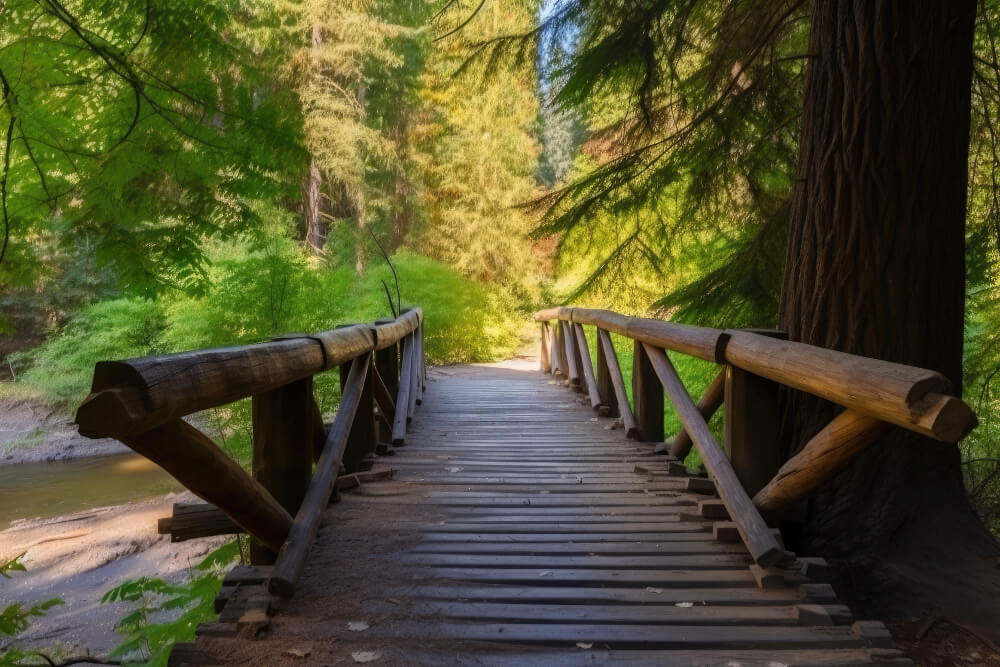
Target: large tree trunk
{"type": "Point", "coordinates": [401, 213]}
{"type": "Point", "coordinates": [876, 267]}
{"type": "Point", "coordinates": [312, 209]}
{"type": "Point", "coordinates": [312, 196]}
{"type": "Point", "coordinates": [361, 233]}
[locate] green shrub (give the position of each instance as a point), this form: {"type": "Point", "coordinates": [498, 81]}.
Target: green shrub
{"type": "Point", "coordinates": [261, 290]}
{"type": "Point", "coordinates": [463, 320]}
{"type": "Point", "coordinates": [61, 368]}
{"type": "Point", "coordinates": [15, 619]}
{"type": "Point", "coordinates": [148, 642]}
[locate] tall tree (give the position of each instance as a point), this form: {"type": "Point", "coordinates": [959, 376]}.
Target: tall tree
{"type": "Point", "coordinates": [709, 97]}
{"type": "Point", "coordinates": [477, 151]}
{"type": "Point", "coordinates": [393, 109]}
{"type": "Point", "coordinates": [341, 41]}
{"type": "Point", "coordinates": [876, 265]}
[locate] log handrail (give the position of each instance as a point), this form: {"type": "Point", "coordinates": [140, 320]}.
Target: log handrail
{"type": "Point", "coordinates": [914, 398]}
{"type": "Point", "coordinates": [876, 394]}
{"type": "Point", "coordinates": [141, 402]}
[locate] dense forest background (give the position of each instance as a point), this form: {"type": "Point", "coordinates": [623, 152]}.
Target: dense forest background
{"type": "Point", "coordinates": [192, 174]}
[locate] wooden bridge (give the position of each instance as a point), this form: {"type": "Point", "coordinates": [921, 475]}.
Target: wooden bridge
{"type": "Point", "coordinates": [516, 522]}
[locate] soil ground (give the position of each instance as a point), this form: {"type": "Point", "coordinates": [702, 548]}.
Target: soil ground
{"type": "Point", "coordinates": [79, 557]}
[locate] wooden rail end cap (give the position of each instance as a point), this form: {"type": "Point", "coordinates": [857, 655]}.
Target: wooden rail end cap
{"type": "Point", "coordinates": [111, 413]}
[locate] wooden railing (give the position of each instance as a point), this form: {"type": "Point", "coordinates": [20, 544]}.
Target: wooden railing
{"type": "Point", "coordinates": [875, 394]}
{"type": "Point", "coordinates": [296, 458]}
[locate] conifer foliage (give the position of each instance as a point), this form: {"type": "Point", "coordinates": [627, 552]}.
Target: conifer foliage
{"type": "Point", "coordinates": [476, 150]}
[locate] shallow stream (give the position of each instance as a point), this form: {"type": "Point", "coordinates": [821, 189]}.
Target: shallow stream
{"type": "Point", "coordinates": [43, 490]}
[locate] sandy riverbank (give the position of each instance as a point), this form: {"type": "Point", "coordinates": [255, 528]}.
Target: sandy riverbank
{"type": "Point", "coordinates": [79, 557]}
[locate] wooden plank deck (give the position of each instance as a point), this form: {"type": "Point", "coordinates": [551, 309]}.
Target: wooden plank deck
{"type": "Point", "coordinates": [521, 529]}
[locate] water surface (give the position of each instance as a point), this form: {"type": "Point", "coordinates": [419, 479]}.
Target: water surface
{"type": "Point", "coordinates": [29, 490]}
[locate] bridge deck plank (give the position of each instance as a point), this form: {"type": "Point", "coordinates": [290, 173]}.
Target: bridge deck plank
{"type": "Point", "coordinates": [518, 531]}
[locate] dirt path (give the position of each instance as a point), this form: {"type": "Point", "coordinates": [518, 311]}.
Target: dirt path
{"type": "Point", "coordinates": [79, 557]}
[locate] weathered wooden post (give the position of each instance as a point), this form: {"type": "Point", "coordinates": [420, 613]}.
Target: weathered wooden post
{"type": "Point", "coordinates": [283, 438]}
{"type": "Point", "coordinates": [387, 365]}
{"type": "Point", "coordinates": [586, 366]}
{"type": "Point", "coordinates": [752, 421]}
{"type": "Point", "coordinates": [423, 364]}
{"type": "Point", "coordinates": [558, 351]}
{"type": "Point", "coordinates": [647, 396]}
{"type": "Point", "coordinates": [543, 355]}
{"type": "Point", "coordinates": [361, 441]}
{"type": "Point", "coordinates": [403, 400]}
{"type": "Point", "coordinates": [571, 355]}
{"type": "Point", "coordinates": [605, 385]}
{"type": "Point", "coordinates": [416, 384]}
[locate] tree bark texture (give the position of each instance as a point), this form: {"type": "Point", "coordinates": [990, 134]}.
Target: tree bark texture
{"type": "Point", "coordinates": [876, 263]}
{"type": "Point", "coordinates": [312, 196]}
{"type": "Point", "coordinates": [313, 205]}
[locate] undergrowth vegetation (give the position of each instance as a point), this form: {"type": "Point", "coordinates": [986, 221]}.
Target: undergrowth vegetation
{"type": "Point", "coordinates": [255, 293]}
{"type": "Point", "coordinates": [15, 619]}
{"type": "Point", "coordinates": [165, 613]}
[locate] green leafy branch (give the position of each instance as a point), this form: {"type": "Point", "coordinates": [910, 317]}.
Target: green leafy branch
{"type": "Point", "coordinates": [149, 643]}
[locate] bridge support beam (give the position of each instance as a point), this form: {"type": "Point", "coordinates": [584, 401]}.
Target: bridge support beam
{"type": "Point", "coordinates": [570, 355]}
{"type": "Point", "coordinates": [282, 449]}
{"type": "Point", "coordinates": [361, 440]}
{"type": "Point", "coordinates": [647, 396]}
{"type": "Point", "coordinates": [752, 423]}
{"type": "Point", "coordinates": [544, 356]}
{"type": "Point", "coordinates": [387, 365]}
{"type": "Point", "coordinates": [605, 384]}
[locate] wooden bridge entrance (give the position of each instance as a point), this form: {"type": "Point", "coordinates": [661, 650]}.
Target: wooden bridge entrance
{"type": "Point", "coordinates": [514, 523]}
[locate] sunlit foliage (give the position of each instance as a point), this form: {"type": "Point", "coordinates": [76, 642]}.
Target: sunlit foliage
{"type": "Point", "coordinates": [140, 127]}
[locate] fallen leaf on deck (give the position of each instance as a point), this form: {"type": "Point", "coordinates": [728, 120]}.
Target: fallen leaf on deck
{"type": "Point", "coordinates": [684, 604]}
{"type": "Point", "coordinates": [365, 656]}
{"type": "Point", "coordinates": [585, 645]}
{"type": "Point", "coordinates": [650, 589]}
{"type": "Point", "coordinates": [545, 573]}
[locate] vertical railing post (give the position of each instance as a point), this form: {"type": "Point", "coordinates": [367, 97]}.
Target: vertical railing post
{"type": "Point", "coordinates": [544, 359]}
{"type": "Point", "coordinates": [412, 348]}
{"type": "Point", "coordinates": [559, 350]}
{"type": "Point", "coordinates": [422, 376]}
{"type": "Point", "coordinates": [387, 365]}
{"type": "Point", "coordinates": [586, 366]}
{"type": "Point", "coordinates": [605, 385]}
{"type": "Point", "coordinates": [571, 355]}
{"type": "Point", "coordinates": [360, 448]}
{"type": "Point", "coordinates": [647, 396]}
{"type": "Point", "coordinates": [753, 420]}
{"type": "Point", "coordinates": [751, 428]}
{"type": "Point", "coordinates": [283, 438]}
